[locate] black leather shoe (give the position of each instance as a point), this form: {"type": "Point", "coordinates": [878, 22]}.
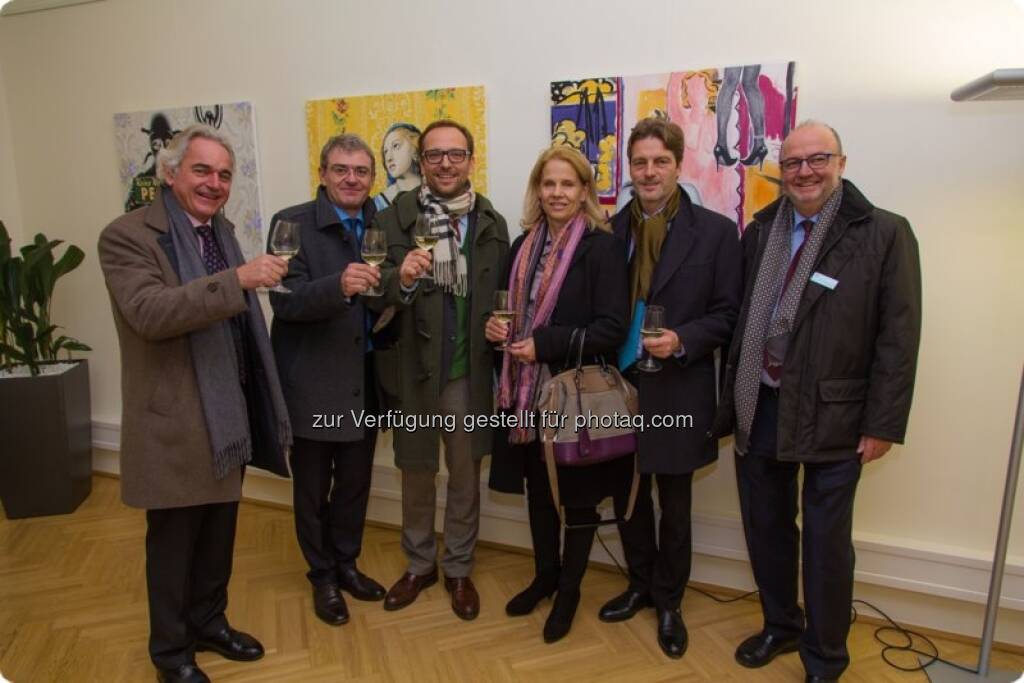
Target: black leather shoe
{"type": "Point", "coordinates": [819, 679]}
{"type": "Point", "coordinates": [562, 612]}
{"type": "Point", "coordinates": [624, 606]}
{"type": "Point", "coordinates": [186, 673]}
{"type": "Point", "coordinates": [526, 601]}
{"type": "Point", "coordinates": [231, 644]}
{"type": "Point", "coordinates": [672, 636]}
{"type": "Point", "coordinates": [329, 604]}
{"type": "Point", "coordinates": [756, 651]}
{"type": "Point", "coordinates": [359, 585]}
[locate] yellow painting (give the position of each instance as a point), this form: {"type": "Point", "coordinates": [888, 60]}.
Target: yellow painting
{"type": "Point", "coordinates": [391, 124]}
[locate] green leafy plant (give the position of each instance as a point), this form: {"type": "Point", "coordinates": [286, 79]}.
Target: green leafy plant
{"type": "Point", "coordinates": [26, 289]}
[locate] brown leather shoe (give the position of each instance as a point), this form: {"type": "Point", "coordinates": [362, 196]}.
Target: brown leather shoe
{"type": "Point", "coordinates": [465, 599]}
{"type": "Point", "coordinates": [407, 589]}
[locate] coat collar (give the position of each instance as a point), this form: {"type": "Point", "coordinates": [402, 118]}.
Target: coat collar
{"type": "Point", "coordinates": [327, 216]}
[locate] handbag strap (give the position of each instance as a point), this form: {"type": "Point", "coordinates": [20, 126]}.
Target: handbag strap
{"type": "Point", "coordinates": [552, 468]}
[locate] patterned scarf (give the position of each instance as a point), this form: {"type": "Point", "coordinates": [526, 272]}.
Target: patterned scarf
{"type": "Point", "coordinates": [760, 325]}
{"type": "Point", "coordinates": [648, 235]}
{"type": "Point", "coordinates": [450, 270]}
{"type": "Point", "coordinates": [518, 386]}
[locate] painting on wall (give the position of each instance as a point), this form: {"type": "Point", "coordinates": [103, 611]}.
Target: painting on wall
{"type": "Point", "coordinates": [391, 125]}
{"type": "Point", "coordinates": [733, 118]}
{"type": "Point", "coordinates": [141, 135]}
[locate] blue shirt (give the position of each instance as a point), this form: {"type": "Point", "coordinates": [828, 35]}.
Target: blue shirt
{"type": "Point", "coordinates": [798, 230]}
{"type": "Point", "coordinates": [351, 223]}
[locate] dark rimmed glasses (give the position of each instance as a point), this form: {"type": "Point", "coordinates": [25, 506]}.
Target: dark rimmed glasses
{"type": "Point", "coordinates": [455, 156]}
{"type": "Point", "coordinates": [815, 162]}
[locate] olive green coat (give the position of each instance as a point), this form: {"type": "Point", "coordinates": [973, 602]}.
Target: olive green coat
{"type": "Point", "coordinates": [408, 367]}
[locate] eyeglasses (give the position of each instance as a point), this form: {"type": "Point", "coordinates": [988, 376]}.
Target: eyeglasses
{"type": "Point", "coordinates": [815, 162]}
{"type": "Point", "coordinates": [359, 171]}
{"type": "Point", "coordinates": [455, 156]}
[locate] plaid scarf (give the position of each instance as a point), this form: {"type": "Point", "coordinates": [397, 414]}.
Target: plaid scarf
{"type": "Point", "coordinates": [763, 299]}
{"type": "Point", "coordinates": [518, 386]}
{"type": "Point", "coordinates": [450, 270]}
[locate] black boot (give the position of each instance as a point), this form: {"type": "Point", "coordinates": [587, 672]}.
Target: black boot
{"type": "Point", "coordinates": [576, 552]}
{"type": "Point", "coordinates": [562, 612]}
{"type": "Point", "coordinates": [545, 532]}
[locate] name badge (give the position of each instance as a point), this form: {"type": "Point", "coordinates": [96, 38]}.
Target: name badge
{"type": "Point", "coordinates": [824, 280]}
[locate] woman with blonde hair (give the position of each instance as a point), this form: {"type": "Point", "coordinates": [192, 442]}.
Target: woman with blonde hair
{"type": "Point", "coordinates": [568, 282]}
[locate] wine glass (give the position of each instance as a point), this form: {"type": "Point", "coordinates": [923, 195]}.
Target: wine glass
{"type": "Point", "coordinates": [503, 312]}
{"type": "Point", "coordinates": [284, 242]}
{"type": "Point", "coordinates": [425, 238]}
{"type": "Point", "coordinates": [374, 251]}
{"type": "Point", "coordinates": [654, 326]}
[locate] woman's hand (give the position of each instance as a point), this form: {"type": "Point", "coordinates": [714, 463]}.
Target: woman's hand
{"type": "Point", "coordinates": [523, 351]}
{"type": "Point", "coordinates": [496, 331]}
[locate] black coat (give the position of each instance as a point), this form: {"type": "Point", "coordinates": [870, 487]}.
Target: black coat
{"type": "Point", "coordinates": [852, 354]}
{"type": "Point", "coordinates": [594, 296]}
{"type": "Point", "coordinates": [698, 280]}
{"type": "Point", "coordinates": [318, 336]}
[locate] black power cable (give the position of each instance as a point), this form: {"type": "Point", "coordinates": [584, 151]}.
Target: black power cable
{"type": "Point", "coordinates": [888, 647]}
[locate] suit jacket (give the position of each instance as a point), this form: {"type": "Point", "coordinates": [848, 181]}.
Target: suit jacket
{"type": "Point", "coordinates": [318, 336]}
{"type": "Point", "coordinates": [698, 280]}
{"type": "Point", "coordinates": [411, 369]}
{"type": "Point", "coordinates": [165, 447]}
{"type": "Point", "coordinates": [852, 353]}
{"type": "Point", "coordinates": [595, 297]}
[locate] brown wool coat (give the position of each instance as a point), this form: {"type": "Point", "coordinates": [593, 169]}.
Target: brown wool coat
{"type": "Point", "coordinates": [165, 447]}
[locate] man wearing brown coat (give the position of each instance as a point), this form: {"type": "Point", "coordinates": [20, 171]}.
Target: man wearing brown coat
{"type": "Point", "coordinates": [200, 394]}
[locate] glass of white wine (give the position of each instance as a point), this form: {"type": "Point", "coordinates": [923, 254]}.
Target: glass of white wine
{"type": "Point", "coordinates": [425, 239]}
{"type": "Point", "coordinates": [503, 312]}
{"type": "Point", "coordinates": [653, 326]}
{"type": "Point", "coordinates": [374, 251]}
{"type": "Point", "coordinates": [284, 242]}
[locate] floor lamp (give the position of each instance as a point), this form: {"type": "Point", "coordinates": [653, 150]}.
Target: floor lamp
{"type": "Point", "coordinates": [1001, 84]}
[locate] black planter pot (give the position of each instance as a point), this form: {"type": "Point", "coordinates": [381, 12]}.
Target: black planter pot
{"type": "Point", "coordinates": [46, 428]}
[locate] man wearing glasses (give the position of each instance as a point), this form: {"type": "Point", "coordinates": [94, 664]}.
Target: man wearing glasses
{"type": "Point", "coordinates": [441, 365]}
{"type": "Point", "coordinates": [321, 341]}
{"type": "Point", "coordinates": [820, 374]}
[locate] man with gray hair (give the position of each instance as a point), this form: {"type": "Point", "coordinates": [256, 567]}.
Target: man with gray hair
{"type": "Point", "coordinates": [200, 394]}
{"type": "Point", "coordinates": [821, 375]}
{"type": "Point", "coordinates": [321, 336]}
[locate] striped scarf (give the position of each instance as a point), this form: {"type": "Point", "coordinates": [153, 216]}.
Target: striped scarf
{"type": "Point", "coordinates": [450, 270]}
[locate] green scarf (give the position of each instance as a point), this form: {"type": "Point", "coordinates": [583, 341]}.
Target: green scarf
{"type": "Point", "coordinates": [648, 236]}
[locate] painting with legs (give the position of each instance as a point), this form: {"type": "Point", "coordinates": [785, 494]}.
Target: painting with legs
{"type": "Point", "coordinates": [733, 118]}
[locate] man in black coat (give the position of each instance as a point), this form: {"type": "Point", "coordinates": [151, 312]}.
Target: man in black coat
{"type": "Point", "coordinates": [686, 259]}
{"type": "Point", "coordinates": [321, 341]}
{"type": "Point", "coordinates": [820, 374]}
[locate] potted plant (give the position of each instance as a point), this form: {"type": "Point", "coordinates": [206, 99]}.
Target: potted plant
{"type": "Point", "coordinates": [45, 419]}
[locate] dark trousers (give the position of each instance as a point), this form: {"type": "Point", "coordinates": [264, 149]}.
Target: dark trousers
{"type": "Point", "coordinates": [188, 564]}
{"type": "Point", "coordinates": [768, 504]}
{"type": "Point", "coordinates": [568, 564]}
{"type": "Point", "coordinates": [659, 567]}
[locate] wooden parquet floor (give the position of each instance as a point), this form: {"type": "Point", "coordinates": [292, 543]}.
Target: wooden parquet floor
{"type": "Point", "coordinates": [73, 608]}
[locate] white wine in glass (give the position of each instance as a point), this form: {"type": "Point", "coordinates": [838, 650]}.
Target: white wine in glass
{"type": "Point", "coordinates": [503, 312]}
{"type": "Point", "coordinates": [374, 251]}
{"type": "Point", "coordinates": [284, 242]}
{"type": "Point", "coordinates": [653, 326]}
{"type": "Point", "coordinates": [425, 239]}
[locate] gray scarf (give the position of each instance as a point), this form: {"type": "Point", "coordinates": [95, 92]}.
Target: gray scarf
{"type": "Point", "coordinates": [213, 352]}
{"type": "Point", "coordinates": [760, 324]}
{"type": "Point", "coordinates": [450, 270]}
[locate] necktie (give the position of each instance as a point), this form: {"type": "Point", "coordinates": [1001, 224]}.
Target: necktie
{"type": "Point", "coordinates": [213, 258]}
{"type": "Point", "coordinates": [774, 366]}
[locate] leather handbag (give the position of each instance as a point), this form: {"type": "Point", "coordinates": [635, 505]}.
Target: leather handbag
{"type": "Point", "coordinates": [590, 411]}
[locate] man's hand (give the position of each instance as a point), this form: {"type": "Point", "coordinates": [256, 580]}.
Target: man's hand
{"type": "Point", "coordinates": [359, 277]}
{"type": "Point", "coordinates": [496, 331]}
{"type": "Point", "coordinates": [266, 270]}
{"type": "Point", "coordinates": [523, 351]}
{"type": "Point", "coordinates": [664, 345]}
{"type": "Point", "coordinates": [415, 264]}
{"type": "Point", "coordinates": [871, 448]}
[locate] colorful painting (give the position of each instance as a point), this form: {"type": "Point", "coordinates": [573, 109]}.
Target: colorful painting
{"type": "Point", "coordinates": [391, 125]}
{"type": "Point", "coordinates": [141, 135]}
{"type": "Point", "coordinates": [733, 118]}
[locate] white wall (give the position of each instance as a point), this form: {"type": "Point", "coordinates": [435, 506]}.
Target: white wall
{"type": "Point", "coordinates": [10, 206]}
{"type": "Point", "coordinates": [879, 71]}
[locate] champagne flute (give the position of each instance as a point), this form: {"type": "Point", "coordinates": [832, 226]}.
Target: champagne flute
{"type": "Point", "coordinates": [374, 251]}
{"type": "Point", "coordinates": [503, 312]}
{"type": "Point", "coordinates": [425, 238]}
{"type": "Point", "coordinates": [653, 326]}
{"type": "Point", "coordinates": [284, 242]}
